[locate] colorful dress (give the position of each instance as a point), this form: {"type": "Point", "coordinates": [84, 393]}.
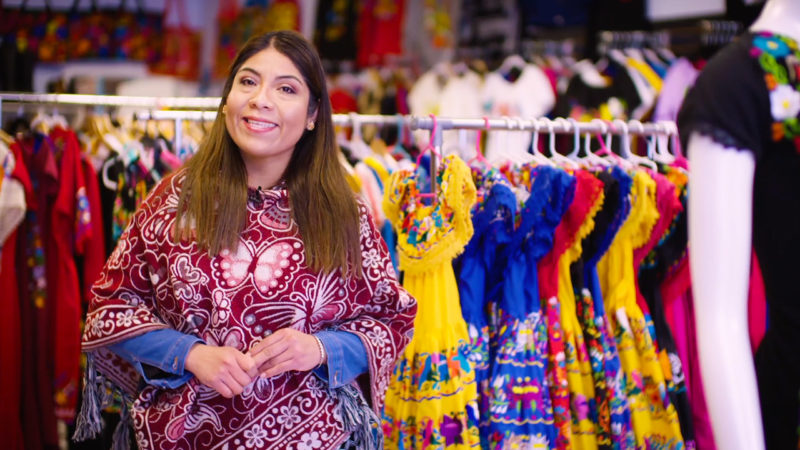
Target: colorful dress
{"type": "Point", "coordinates": [655, 421]}
{"type": "Point", "coordinates": [577, 223]}
{"type": "Point", "coordinates": [548, 295]}
{"type": "Point", "coordinates": [668, 205]}
{"type": "Point", "coordinates": [613, 419]}
{"type": "Point", "coordinates": [521, 411]}
{"type": "Point", "coordinates": [492, 219]}
{"type": "Point", "coordinates": [431, 401]}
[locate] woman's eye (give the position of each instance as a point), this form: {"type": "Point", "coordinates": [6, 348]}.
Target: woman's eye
{"type": "Point", "coordinates": [247, 82]}
{"type": "Point", "coordinates": [287, 89]}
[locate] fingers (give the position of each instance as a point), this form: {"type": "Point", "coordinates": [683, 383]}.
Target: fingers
{"type": "Point", "coordinates": [223, 389]}
{"type": "Point", "coordinates": [248, 368]}
{"type": "Point", "coordinates": [278, 368]}
{"type": "Point", "coordinates": [270, 341]}
{"type": "Point", "coordinates": [271, 347]}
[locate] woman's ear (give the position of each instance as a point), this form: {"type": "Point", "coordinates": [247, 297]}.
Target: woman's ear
{"type": "Point", "coordinates": [312, 119]}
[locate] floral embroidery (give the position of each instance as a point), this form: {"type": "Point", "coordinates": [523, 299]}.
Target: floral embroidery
{"type": "Point", "coordinates": [309, 441]}
{"type": "Point", "coordinates": [256, 436]}
{"type": "Point", "coordinates": [779, 58]}
{"type": "Point", "coordinates": [785, 102]}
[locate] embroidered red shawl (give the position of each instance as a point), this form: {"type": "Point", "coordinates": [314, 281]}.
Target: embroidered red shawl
{"type": "Point", "coordinates": [237, 298]}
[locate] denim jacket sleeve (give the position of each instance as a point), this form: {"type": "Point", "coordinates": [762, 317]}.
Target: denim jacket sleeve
{"type": "Point", "coordinates": [347, 358]}
{"type": "Point", "coordinates": [159, 356]}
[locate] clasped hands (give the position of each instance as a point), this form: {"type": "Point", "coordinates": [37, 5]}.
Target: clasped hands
{"type": "Point", "coordinates": [228, 370]}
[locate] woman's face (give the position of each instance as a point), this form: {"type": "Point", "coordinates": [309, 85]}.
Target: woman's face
{"type": "Point", "coordinates": [266, 111]}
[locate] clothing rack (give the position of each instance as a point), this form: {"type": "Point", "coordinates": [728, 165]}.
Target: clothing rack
{"type": "Point", "coordinates": [205, 109]}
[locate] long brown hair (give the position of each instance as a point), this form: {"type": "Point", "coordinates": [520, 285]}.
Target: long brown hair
{"type": "Point", "coordinates": [212, 205]}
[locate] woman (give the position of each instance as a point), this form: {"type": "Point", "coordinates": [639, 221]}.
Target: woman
{"type": "Point", "coordinates": [246, 313]}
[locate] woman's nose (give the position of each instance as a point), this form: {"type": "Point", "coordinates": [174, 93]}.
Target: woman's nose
{"type": "Point", "coordinates": [262, 99]}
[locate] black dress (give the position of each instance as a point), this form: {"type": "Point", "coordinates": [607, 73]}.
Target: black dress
{"type": "Point", "coordinates": [747, 98]}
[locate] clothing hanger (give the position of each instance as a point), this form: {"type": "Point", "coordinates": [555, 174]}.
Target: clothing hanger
{"type": "Point", "coordinates": [401, 136]}
{"type": "Point", "coordinates": [358, 147]}
{"type": "Point", "coordinates": [625, 146]}
{"type": "Point", "coordinates": [558, 158]}
{"type": "Point", "coordinates": [432, 148]}
{"type": "Point", "coordinates": [58, 120]}
{"type": "Point", "coordinates": [605, 148]}
{"type": "Point", "coordinates": [520, 158]}
{"type": "Point", "coordinates": [655, 153]}
{"type": "Point", "coordinates": [478, 153]}
{"type": "Point", "coordinates": [534, 149]}
{"type": "Point", "coordinates": [576, 140]}
{"type": "Point", "coordinates": [41, 122]}
{"type": "Point", "coordinates": [591, 159]}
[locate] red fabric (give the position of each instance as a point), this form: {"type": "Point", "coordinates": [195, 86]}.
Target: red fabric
{"type": "Point", "coordinates": [34, 290]}
{"type": "Point", "coordinates": [93, 247]}
{"type": "Point", "coordinates": [342, 102]}
{"type": "Point", "coordinates": [11, 335]}
{"type": "Point", "coordinates": [236, 298]}
{"type": "Point", "coordinates": [67, 302]}
{"type": "Point", "coordinates": [380, 31]}
{"type": "Point", "coordinates": [756, 305]}
{"type": "Point", "coordinates": [587, 189]}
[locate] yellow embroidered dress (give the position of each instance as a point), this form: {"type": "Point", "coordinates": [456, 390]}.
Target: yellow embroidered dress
{"type": "Point", "coordinates": [588, 200]}
{"type": "Point", "coordinates": [655, 420]}
{"type": "Point", "coordinates": [431, 400]}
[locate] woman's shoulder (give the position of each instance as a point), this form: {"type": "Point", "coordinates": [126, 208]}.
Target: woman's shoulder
{"type": "Point", "coordinates": [164, 195]}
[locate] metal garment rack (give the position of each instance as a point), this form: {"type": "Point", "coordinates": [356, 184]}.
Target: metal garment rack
{"type": "Point", "coordinates": [204, 108]}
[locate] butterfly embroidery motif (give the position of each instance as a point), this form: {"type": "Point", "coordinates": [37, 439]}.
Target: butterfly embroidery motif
{"type": "Point", "coordinates": [265, 265]}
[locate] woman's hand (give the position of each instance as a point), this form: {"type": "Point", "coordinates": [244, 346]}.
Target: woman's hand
{"type": "Point", "coordinates": [286, 349]}
{"type": "Point", "coordinates": [224, 369]}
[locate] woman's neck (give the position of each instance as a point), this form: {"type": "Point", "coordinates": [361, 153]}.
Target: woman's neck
{"type": "Point", "coordinates": [780, 17]}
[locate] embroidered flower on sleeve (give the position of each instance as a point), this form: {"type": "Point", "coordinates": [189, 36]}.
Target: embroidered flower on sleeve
{"type": "Point", "coordinates": [779, 58]}
{"type": "Point", "coordinates": [785, 101]}
{"type": "Point", "coordinates": [772, 45]}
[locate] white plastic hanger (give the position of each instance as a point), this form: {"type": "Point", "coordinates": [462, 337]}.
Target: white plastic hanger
{"type": "Point", "coordinates": [358, 147]}
{"type": "Point", "coordinates": [625, 147]}
{"type": "Point", "coordinates": [605, 150]}
{"type": "Point", "coordinates": [591, 159]}
{"type": "Point", "coordinates": [538, 157]}
{"type": "Point", "coordinates": [558, 158]}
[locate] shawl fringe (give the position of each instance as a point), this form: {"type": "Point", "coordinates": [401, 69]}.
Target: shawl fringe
{"type": "Point", "coordinates": [358, 418]}
{"type": "Point", "coordinates": [97, 395]}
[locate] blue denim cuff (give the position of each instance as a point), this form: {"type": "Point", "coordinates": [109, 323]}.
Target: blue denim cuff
{"type": "Point", "coordinates": [347, 358]}
{"type": "Point", "coordinates": [159, 356]}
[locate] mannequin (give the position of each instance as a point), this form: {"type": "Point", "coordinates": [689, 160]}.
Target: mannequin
{"type": "Point", "coordinates": [720, 232]}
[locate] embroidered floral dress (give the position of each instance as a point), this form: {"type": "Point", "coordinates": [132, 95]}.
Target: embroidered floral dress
{"type": "Point", "coordinates": [521, 414]}
{"type": "Point", "coordinates": [655, 421]}
{"type": "Point", "coordinates": [236, 298]}
{"type": "Point", "coordinates": [431, 402]}
{"type": "Point", "coordinates": [577, 223]}
{"type": "Point", "coordinates": [556, 210]}
{"type": "Point", "coordinates": [493, 221]}
{"type": "Point", "coordinates": [613, 419]}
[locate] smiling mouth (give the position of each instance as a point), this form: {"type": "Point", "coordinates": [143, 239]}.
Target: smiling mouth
{"type": "Point", "coordinates": [258, 124]}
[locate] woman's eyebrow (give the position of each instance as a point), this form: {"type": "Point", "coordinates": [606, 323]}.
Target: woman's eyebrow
{"type": "Point", "coordinates": [248, 69]}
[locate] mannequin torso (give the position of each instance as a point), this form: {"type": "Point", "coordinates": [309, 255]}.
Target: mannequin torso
{"type": "Point", "coordinates": [720, 232]}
